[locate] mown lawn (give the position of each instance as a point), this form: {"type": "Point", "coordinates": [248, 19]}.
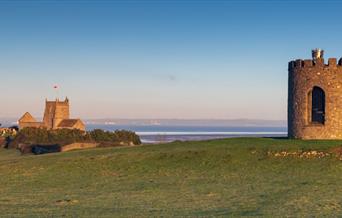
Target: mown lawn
{"type": "Point", "coordinates": [229, 177]}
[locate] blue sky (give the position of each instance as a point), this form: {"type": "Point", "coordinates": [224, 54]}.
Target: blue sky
{"type": "Point", "coordinates": [159, 59]}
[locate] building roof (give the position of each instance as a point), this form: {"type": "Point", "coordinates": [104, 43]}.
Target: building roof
{"type": "Point", "coordinates": [27, 118]}
{"type": "Point", "coordinates": [69, 123]}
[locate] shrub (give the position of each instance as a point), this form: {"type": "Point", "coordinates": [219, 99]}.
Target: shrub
{"type": "Point", "coordinates": [99, 135]}
{"type": "Point", "coordinates": [36, 136]}
{"type": "Point", "coordinates": [128, 136]}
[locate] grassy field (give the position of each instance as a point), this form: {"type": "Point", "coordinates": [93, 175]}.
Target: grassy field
{"type": "Point", "coordinates": [230, 177]}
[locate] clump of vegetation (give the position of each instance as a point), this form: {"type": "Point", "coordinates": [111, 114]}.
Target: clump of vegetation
{"type": "Point", "coordinates": [8, 132]}
{"type": "Point", "coordinates": [34, 136]}
{"type": "Point", "coordinates": [7, 135]}
{"type": "Point", "coordinates": [121, 136]}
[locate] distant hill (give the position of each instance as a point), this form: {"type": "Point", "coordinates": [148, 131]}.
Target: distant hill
{"type": "Point", "coordinates": [175, 122]}
{"type": "Point", "coordinates": [191, 122]}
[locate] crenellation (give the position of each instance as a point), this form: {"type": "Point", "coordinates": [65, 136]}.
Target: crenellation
{"type": "Point", "coordinates": [310, 63]}
{"type": "Point", "coordinates": [299, 63]}
{"type": "Point", "coordinates": [332, 62]}
{"type": "Point", "coordinates": [291, 65]}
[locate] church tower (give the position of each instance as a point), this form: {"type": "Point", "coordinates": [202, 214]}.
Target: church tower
{"type": "Point", "coordinates": [55, 112]}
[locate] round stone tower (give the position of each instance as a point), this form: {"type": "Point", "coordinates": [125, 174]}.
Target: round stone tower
{"type": "Point", "coordinates": [315, 98]}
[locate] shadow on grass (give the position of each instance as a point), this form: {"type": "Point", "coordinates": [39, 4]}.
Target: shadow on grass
{"type": "Point", "coordinates": [277, 138]}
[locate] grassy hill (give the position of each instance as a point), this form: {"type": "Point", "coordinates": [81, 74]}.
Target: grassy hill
{"type": "Point", "coordinates": [230, 177]}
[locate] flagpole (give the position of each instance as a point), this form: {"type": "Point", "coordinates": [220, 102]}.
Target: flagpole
{"type": "Point", "coordinates": [55, 87]}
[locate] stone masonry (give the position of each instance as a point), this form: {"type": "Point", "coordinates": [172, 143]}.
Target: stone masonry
{"type": "Point", "coordinates": [305, 78]}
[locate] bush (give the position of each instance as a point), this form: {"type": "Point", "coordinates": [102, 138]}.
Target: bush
{"type": "Point", "coordinates": [128, 136]}
{"type": "Point", "coordinates": [99, 135]}
{"type": "Point", "coordinates": [36, 136]}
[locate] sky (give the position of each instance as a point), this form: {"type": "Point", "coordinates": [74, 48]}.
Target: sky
{"type": "Point", "coordinates": [159, 59]}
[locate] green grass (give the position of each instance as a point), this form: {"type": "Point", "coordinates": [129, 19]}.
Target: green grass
{"type": "Point", "coordinates": [230, 177]}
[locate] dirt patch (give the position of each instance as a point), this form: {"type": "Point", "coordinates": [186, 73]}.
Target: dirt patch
{"type": "Point", "coordinates": [66, 202]}
{"type": "Point", "coordinates": [110, 173]}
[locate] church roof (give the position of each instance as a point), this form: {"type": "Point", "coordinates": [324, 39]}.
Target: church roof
{"type": "Point", "coordinates": [69, 123]}
{"type": "Point", "coordinates": [27, 118]}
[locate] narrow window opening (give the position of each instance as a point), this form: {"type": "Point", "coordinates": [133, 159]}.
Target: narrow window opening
{"type": "Point", "coordinates": [318, 106]}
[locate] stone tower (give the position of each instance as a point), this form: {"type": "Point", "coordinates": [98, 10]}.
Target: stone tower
{"type": "Point", "coordinates": [55, 112]}
{"type": "Point", "coordinates": [315, 98]}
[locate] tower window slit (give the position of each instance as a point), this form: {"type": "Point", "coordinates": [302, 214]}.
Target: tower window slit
{"type": "Point", "coordinates": [318, 105]}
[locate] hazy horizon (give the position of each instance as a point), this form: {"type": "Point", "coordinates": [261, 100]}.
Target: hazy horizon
{"type": "Point", "coordinates": [159, 60]}
{"type": "Point", "coordinates": [8, 121]}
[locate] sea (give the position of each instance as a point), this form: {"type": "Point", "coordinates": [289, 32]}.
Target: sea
{"type": "Point", "coordinates": [150, 134]}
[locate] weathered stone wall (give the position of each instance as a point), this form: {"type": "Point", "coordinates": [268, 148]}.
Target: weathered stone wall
{"type": "Point", "coordinates": [31, 124]}
{"type": "Point", "coordinates": [55, 112]}
{"type": "Point", "coordinates": [76, 146]}
{"type": "Point", "coordinates": [61, 113]}
{"type": "Point", "coordinates": [303, 76]}
{"type": "Point", "coordinates": [50, 107]}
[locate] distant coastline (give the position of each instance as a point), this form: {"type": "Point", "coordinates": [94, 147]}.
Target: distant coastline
{"type": "Point", "coordinates": [172, 122]}
{"type": "Point", "coordinates": [169, 133]}
{"type": "Point", "coordinates": [190, 122]}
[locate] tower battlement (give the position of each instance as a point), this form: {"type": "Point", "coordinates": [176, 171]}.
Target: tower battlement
{"type": "Point", "coordinates": [310, 63]}
{"type": "Point", "coordinates": [58, 102]}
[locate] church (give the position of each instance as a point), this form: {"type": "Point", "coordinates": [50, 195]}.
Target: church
{"type": "Point", "coordinates": [56, 116]}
